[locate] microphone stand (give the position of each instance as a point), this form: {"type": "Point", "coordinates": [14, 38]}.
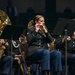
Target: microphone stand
{"type": "Point", "coordinates": [66, 53]}
{"type": "Point", "coordinates": [23, 59]}
{"type": "Point", "coordinates": [11, 54]}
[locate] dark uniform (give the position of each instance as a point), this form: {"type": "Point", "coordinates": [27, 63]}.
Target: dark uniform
{"type": "Point", "coordinates": [70, 51]}
{"type": "Point", "coordinates": [5, 62]}
{"type": "Point", "coordinates": [38, 50]}
{"type": "Point", "coordinates": [19, 58]}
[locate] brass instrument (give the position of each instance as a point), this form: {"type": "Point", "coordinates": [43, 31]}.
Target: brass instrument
{"type": "Point", "coordinates": [4, 20]}
{"type": "Point", "coordinates": [24, 45]}
{"type": "Point", "coordinates": [30, 24]}
{"type": "Point", "coordinates": [52, 45]}
{"type": "Point", "coordinates": [22, 41]}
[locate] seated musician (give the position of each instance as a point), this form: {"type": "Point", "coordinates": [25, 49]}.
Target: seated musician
{"type": "Point", "coordinates": [19, 47]}
{"type": "Point", "coordinates": [5, 59]}
{"type": "Point", "coordinates": [60, 44]}
{"type": "Point", "coordinates": [38, 37]}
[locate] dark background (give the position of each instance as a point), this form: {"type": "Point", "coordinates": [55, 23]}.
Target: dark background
{"type": "Point", "coordinates": [51, 9]}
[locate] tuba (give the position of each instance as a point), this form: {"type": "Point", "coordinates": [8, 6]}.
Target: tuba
{"type": "Point", "coordinates": [4, 20]}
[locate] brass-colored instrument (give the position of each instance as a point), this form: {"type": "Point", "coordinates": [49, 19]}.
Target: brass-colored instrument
{"type": "Point", "coordinates": [22, 41]}
{"type": "Point", "coordinates": [30, 24]}
{"type": "Point", "coordinates": [24, 45]}
{"type": "Point", "coordinates": [4, 20]}
{"type": "Point", "coordinates": [52, 45]}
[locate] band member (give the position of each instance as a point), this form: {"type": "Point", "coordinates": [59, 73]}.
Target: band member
{"type": "Point", "coordinates": [37, 38]}
{"type": "Point", "coordinates": [19, 54]}
{"type": "Point", "coordinates": [5, 59]}
{"type": "Point", "coordinates": [60, 44]}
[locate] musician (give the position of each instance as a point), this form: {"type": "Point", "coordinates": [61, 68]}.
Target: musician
{"type": "Point", "coordinates": [19, 47]}
{"type": "Point", "coordinates": [38, 37]}
{"type": "Point", "coordinates": [60, 44]}
{"type": "Point", "coordinates": [5, 59]}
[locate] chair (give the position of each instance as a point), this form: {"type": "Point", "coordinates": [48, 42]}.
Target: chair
{"type": "Point", "coordinates": [20, 66]}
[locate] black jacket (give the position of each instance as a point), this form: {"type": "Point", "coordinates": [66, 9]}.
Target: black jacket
{"type": "Point", "coordinates": [37, 40]}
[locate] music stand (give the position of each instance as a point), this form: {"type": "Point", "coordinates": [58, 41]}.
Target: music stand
{"type": "Point", "coordinates": [12, 33]}
{"type": "Point", "coordinates": [65, 27]}
{"type": "Point", "coordinates": [63, 24]}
